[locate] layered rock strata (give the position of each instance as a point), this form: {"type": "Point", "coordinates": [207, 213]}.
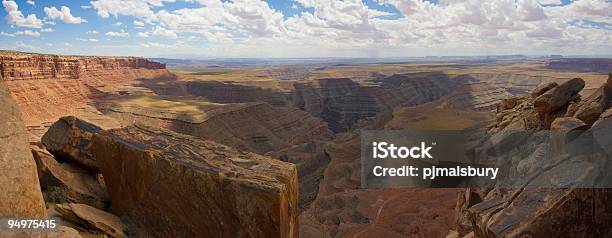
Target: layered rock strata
{"type": "Point", "coordinates": [47, 87]}
{"type": "Point", "coordinates": [27, 66]}
{"type": "Point", "coordinates": [479, 96]}
{"type": "Point", "coordinates": [179, 186]}
{"type": "Point", "coordinates": [232, 93]}
{"type": "Point", "coordinates": [342, 102]}
{"type": "Point", "coordinates": [257, 127]}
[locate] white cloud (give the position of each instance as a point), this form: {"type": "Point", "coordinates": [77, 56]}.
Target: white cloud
{"type": "Point", "coordinates": [64, 15]}
{"type": "Point", "coordinates": [87, 40]}
{"type": "Point", "coordinates": [91, 32]}
{"type": "Point", "coordinates": [118, 23]}
{"type": "Point", "coordinates": [47, 30]}
{"type": "Point", "coordinates": [122, 33]}
{"type": "Point", "coordinates": [15, 17]}
{"type": "Point", "coordinates": [31, 2]}
{"type": "Point", "coordinates": [352, 28]}
{"type": "Point", "coordinates": [550, 2]}
{"type": "Point", "coordinates": [164, 33]}
{"type": "Point", "coordinates": [594, 10]}
{"type": "Point", "coordinates": [22, 33]}
{"type": "Point", "coordinates": [141, 8]}
{"type": "Point", "coordinates": [86, 7]}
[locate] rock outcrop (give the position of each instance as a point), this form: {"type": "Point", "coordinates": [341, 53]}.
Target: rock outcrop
{"type": "Point", "coordinates": [28, 66]}
{"type": "Point", "coordinates": [93, 219]}
{"type": "Point", "coordinates": [537, 111]}
{"type": "Point", "coordinates": [77, 184]}
{"type": "Point", "coordinates": [180, 186]}
{"type": "Point", "coordinates": [543, 213]}
{"type": "Point", "coordinates": [558, 96]}
{"type": "Point", "coordinates": [311, 159]}
{"type": "Point", "coordinates": [542, 88]}
{"type": "Point", "coordinates": [70, 139]}
{"type": "Point", "coordinates": [556, 165]}
{"type": "Point", "coordinates": [589, 109]}
{"type": "Point", "coordinates": [20, 195]}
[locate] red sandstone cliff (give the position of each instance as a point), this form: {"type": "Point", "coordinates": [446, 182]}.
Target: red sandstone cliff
{"type": "Point", "coordinates": [25, 66]}
{"type": "Point", "coordinates": [47, 87]}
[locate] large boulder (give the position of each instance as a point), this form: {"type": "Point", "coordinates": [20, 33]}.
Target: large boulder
{"type": "Point", "coordinates": [558, 97]}
{"type": "Point", "coordinates": [589, 109]}
{"type": "Point", "coordinates": [77, 184]}
{"type": "Point", "coordinates": [564, 130]}
{"type": "Point", "coordinates": [543, 88]}
{"type": "Point", "coordinates": [70, 139]}
{"type": "Point", "coordinates": [173, 185]}
{"type": "Point", "coordinates": [568, 124]}
{"type": "Point", "coordinates": [20, 195]}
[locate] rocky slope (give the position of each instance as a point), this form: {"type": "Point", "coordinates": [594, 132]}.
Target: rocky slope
{"type": "Point", "coordinates": [257, 127]}
{"type": "Point", "coordinates": [342, 102]}
{"type": "Point", "coordinates": [220, 92]}
{"type": "Point", "coordinates": [534, 136]}
{"type": "Point", "coordinates": [479, 96]}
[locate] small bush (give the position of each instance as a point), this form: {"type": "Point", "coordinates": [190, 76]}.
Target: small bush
{"type": "Point", "coordinates": [54, 194]}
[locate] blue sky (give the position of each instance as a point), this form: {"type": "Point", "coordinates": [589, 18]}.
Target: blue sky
{"type": "Point", "coordinates": [307, 28]}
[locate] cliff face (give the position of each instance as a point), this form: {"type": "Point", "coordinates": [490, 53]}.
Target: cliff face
{"type": "Point", "coordinates": [24, 66]}
{"type": "Point", "coordinates": [47, 87]}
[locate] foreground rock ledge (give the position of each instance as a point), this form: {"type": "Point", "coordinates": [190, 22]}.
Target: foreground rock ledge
{"type": "Point", "coordinates": [20, 195]}
{"type": "Point", "coordinates": [173, 185]}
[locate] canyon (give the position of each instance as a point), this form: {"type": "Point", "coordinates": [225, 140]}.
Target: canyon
{"type": "Point", "coordinates": [284, 139]}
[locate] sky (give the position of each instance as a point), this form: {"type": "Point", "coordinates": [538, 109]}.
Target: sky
{"type": "Point", "coordinates": [307, 28]}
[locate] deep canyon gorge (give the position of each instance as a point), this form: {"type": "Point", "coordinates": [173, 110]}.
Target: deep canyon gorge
{"type": "Point", "coordinates": [238, 146]}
